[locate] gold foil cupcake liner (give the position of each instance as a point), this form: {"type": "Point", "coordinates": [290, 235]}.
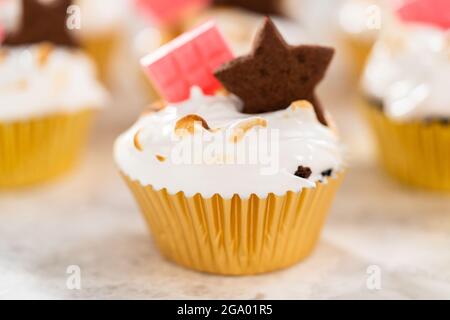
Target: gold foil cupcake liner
{"type": "Point", "coordinates": [35, 150]}
{"type": "Point", "coordinates": [101, 48]}
{"type": "Point", "coordinates": [416, 153]}
{"type": "Point", "coordinates": [235, 236]}
{"type": "Point", "coordinates": [359, 51]}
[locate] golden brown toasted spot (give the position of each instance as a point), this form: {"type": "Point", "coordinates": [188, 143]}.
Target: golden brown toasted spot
{"type": "Point", "coordinates": [137, 144]}
{"type": "Point", "coordinates": [241, 129]}
{"type": "Point", "coordinates": [154, 107]}
{"type": "Point", "coordinates": [3, 54]}
{"type": "Point", "coordinates": [160, 158]}
{"type": "Point", "coordinates": [43, 53]}
{"type": "Point", "coordinates": [188, 122]}
{"type": "Point", "coordinates": [301, 104]}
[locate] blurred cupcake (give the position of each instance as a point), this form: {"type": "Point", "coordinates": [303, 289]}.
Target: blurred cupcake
{"type": "Point", "coordinates": [145, 41]}
{"type": "Point", "coordinates": [239, 20]}
{"type": "Point", "coordinates": [48, 95]}
{"type": "Point", "coordinates": [163, 21]}
{"type": "Point", "coordinates": [101, 25]}
{"type": "Point", "coordinates": [360, 24]}
{"type": "Point", "coordinates": [408, 102]}
{"type": "Point", "coordinates": [239, 181]}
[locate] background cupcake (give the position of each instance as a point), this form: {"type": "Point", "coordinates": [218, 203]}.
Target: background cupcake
{"type": "Point", "coordinates": [405, 84]}
{"type": "Point", "coordinates": [48, 94]}
{"type": "Point", "coordinates": [101, 30]}
{"type": "Point", "coordinates": [208, 211]}
{"type": "Point", "coordinates": [239, 21]}
{"type": "Point", "coordinates": [358, 21]}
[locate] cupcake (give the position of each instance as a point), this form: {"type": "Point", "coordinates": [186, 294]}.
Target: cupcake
{"type": "Point", "coordinates": [146, 40]}
{"type": "Point", "coordinates": [239, 20]}
{"type": "Point", "coordinates": [100, 32]}
{"type": "Point", "coordinates": [48, 96]}
{"type": "Point", "coordinates": [407, 101]}
{"type": "Point", "coordinates": [234, 177]}
{"type": "Point", "coordinates": [359, 29]}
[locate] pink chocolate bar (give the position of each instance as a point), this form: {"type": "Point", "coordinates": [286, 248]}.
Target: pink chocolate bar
{"type": "Point", "coordinates": [187, 61]}
{"type": "Point", "coordinates": [434, 12]}
{"type": "Point", "coordinates": [169, 11]}
{"type": "Point", "coordinates": [2, 34]}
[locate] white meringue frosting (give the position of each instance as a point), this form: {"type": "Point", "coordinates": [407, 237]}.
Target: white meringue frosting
{"type": "Point", "coordinates": [101, 16]}
{"type": "Point", "coordinates": [39, 80]}
{"type": "Point", "coordinates": [232, 153]}
{"type": "Point", "coordinates": [409, 72]}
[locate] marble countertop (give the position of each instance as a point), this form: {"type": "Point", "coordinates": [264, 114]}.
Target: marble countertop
{"type": "Point", "coordinates": [89, 219]}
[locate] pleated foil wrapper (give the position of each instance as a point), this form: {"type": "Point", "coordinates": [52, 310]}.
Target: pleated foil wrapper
{"type": "Point", "coordinates": [416, 153]}
{"type": "Point", "coordinates": [236, 236]}
{"type": "Point", "coordinates": [35, 150]}
{"type": "Point", "coordinates": [101, 49]}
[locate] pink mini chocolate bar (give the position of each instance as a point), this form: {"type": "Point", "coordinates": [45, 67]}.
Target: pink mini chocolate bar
{"type": "Point", "coordinates": [166, 12]}
{"type": "Point", "coordinates": [187, 61]}
{"type": "Point", "coordinates": [434, 12]}
{"type": "Point", "coordinates": [2, 34]}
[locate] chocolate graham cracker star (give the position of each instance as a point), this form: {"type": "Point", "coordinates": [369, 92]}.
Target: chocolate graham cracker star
{"type": "Point", "coordinates": [42, 21]}
{"type": "Point", "coordinates": [276, 74]}
{"type": "Point", "coordinates": [260, 6]}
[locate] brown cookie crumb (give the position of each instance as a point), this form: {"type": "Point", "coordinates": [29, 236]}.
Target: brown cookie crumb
{"type": "Point", "coordinates": [303, 172]}
{"type": "Point", "coordinates": [327, 173]}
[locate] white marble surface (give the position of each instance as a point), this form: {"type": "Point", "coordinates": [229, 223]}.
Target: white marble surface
{"type": "Point", "coordinates": [89, 219]}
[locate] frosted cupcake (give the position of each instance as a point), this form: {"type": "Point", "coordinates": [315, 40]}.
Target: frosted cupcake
{"type": "Point", "coordinates": [408, 103]}
{"type": "Point", "coordinates": [98, 31]}
{"type": "Point", "coordinates": [239, 21]}
{"type": "Point", "coordinates": [48, 96]}
{"type": "Point", "coordinates": [101, 25]}
{"type": "Point", "coordinates": [222, 208]}
{"type": "Point", "coordinates": [358, 21]}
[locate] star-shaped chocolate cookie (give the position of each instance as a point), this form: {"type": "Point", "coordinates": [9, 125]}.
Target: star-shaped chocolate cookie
{"type": "Point", "coordinates": [260, 6]}
{"type": "Point", "coordinates": [42, 21]}
{"type": "Point", "coordinates": [276, 74]}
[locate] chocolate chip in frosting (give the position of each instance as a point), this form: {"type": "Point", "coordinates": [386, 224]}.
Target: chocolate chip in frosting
{"type": "Point", "coordinates": [303, 172]}
{"type": "Point", "coordinates": [327, 173]}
